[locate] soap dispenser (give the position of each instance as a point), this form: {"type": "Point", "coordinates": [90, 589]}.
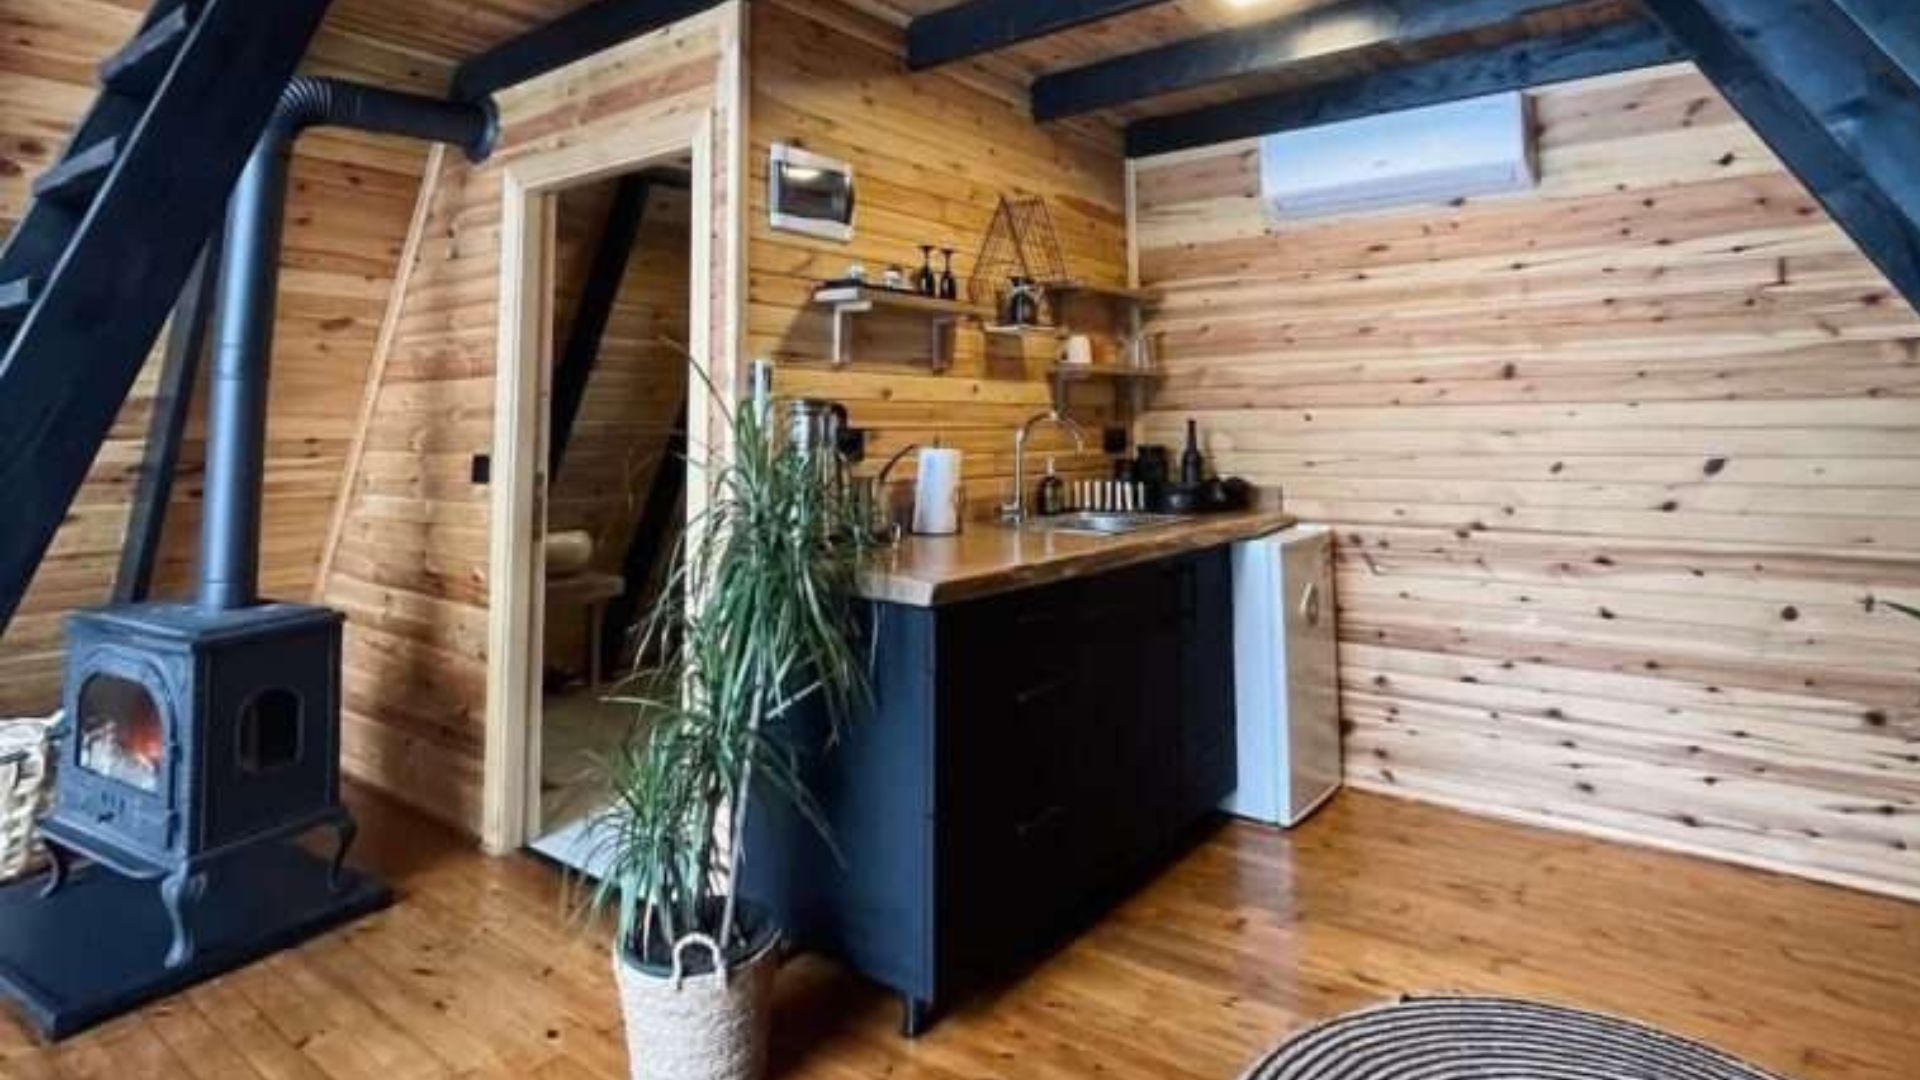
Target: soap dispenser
{"type": "Point", "coordinates": [1051, 499]}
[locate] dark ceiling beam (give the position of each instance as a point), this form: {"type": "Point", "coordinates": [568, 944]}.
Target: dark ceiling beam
{"type": "Point", "coordinates": [984, 26]}
{"type": "Point", "coordinates": [574, 36]}
{"type": "Point", "coordinates": [1265, 47]}
{"type": "Point", "coordinates": [1519, 65]}
{"type": "Point", "coordinates": [1829, 102]}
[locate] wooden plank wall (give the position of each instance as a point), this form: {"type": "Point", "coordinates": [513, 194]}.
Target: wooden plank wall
{"type": "Point", "coordinates": [411, 570]}
{"type": "Point", "coordinates": [350, 202]}
{"type": "Point", "coordinates": [1622, 470]}
{"type": "Point", "coordinates": [638, 383]}
{"type": "Point", "coordinates": [931, 153]}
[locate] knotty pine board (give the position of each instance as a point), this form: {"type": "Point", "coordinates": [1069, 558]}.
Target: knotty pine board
{"type": "Point", "coordinates": [931, 155]}
{"type": "Point", "coordinates": [412, 567]}
{"type": "Point", "coordinates": [349, 203]}
{"type": "Point", "coordinates": [1621, 470]}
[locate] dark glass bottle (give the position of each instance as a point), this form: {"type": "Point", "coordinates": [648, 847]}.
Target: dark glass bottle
{"type": "Point", "coordinates": [1193, 467]}
{"type": "Point", "coordinates": [924, 282]}
{"type": "Point", "coordinates": [1051, 499]}
{"type": "Point", "coordinates": [949, 285]}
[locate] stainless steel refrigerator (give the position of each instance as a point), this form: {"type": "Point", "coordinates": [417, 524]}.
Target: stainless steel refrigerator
{"type": "Point", "coordinates": [1287, 690]}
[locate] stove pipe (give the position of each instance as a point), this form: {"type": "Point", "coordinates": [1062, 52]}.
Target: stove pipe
{"type": "Point", "coordinates": [249, 282]}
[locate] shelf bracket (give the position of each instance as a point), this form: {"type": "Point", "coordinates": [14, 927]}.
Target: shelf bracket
{"type": "Point", "coordinates": [842, 332]}
{"type": "Point", "coordinates": [943, 331]}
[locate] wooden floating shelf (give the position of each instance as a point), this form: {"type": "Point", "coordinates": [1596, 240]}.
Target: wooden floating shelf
{"type": "Point", "coordinates": [1024, 331]}
{"type": "Point", "coordinates": [850, 300]}
{"type": "Point", "coordinates": [1102, 371]}
{"type": "Point", "coordinates": [1134, 379]}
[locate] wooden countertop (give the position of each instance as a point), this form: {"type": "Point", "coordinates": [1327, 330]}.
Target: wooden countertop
{"type": "Point", "coordinates": [989, 558]}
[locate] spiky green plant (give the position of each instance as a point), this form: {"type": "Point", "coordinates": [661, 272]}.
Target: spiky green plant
{"type": "Point", "coordinates": [1910, 612]}
{"type": "Point", "coordinates": [755, 619]}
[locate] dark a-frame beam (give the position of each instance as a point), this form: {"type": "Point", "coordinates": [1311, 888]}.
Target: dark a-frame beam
{"type": "Point", "coordinates": [1841, 113]}
{"type": "Point", "coordinates": [167, 428]}
{"type": "Point", "coordinates": [658, 516]}
{"type": "Point", "coordinates": [1268, 46]}
{"type": "Point", "coordinates": [574, 36]}
{"type": "Point", "coordinates": [1517, 65]}
{"type": "Point", "coordinates": [977, 27]}
{"type": "Point", "coordinates": [607, 271]}
{"type": "Point", "coordinates": [605, 274]}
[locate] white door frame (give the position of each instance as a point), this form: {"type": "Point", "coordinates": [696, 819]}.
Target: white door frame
{"type": "Point", "coordinates": [522, 391]}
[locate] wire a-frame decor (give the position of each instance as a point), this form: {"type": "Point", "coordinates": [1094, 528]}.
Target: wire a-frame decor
{"type": "Point", "coordinates": [1020, 242]}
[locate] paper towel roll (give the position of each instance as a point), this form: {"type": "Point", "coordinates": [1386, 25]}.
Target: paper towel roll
{"type": "Point", "coordinates": [937, 495]}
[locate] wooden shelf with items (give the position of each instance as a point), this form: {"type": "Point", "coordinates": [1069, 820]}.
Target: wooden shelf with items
{"type": "Point", "coordinates": [1113, 312]}
{"type": "Point", "coordinates": [1025, 330]}
{"type": "Point", "coordinates": [847, 301]}
{"type": "Point", "coordinates": [1134, 379]}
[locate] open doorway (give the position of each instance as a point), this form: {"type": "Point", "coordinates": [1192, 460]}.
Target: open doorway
{"type": "Point", "coordinates": [615, 499]}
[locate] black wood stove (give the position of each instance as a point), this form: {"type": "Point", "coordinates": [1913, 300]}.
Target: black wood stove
{"type": "Point", "coordinates": [193, 735]}
{"type": "Point", "coordinates": [201, 742]}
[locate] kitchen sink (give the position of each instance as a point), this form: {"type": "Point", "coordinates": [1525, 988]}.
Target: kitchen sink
{"type": "Point", "coordinates": [1104, 523]}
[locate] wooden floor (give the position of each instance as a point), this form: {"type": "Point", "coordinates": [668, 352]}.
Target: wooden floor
{"type": "Point", "coordinates": [479, 973]}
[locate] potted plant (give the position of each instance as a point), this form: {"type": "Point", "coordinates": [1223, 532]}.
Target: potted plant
{"type": "Point", "coordinates": [756, 619]}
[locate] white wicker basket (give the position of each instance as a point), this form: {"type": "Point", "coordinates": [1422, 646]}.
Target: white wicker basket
{"type": "Point", "coordinates": [698, 1027]}
{"type": "Point", "coordinates": [26, 786]}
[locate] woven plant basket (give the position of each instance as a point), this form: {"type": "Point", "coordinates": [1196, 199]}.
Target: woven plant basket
{"type": "Point", "coordinates": [26, 786]}
{"type": "Point", "coordinates": [709, 1026]}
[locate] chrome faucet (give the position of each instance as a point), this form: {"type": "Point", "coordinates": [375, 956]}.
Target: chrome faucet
{"type": "Point", "coordinates": [880, 520]}
{"type": "Point", "coordinates": [1014, 511]}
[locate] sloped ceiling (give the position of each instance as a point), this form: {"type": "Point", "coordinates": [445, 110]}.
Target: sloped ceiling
{"type": "Point", "coordinates": [351, 203]}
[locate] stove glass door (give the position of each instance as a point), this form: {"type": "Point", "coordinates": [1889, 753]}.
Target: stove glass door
{"type": "Point", "coordinates": [121, 733]}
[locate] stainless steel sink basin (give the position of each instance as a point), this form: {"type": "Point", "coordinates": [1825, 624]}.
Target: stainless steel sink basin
{"type": "Point", "coordinates": [1102, 523]}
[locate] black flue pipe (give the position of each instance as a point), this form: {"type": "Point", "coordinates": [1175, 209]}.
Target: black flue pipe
{"type": "Point", "coordinates": [249, 284]}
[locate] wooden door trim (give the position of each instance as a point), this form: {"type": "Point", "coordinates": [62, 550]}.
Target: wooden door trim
{"type": "Point", "coordinates": [516, 585]}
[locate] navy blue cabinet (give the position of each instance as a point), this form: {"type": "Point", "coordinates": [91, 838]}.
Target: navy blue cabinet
{"type": "Point", "coordinates": [1028, 758]}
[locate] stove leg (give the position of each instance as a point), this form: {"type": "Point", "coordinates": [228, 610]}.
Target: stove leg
{"type": "Point", "coordinates": [344, 831]}
{"type": "Point", "coordinates": [57, 870]}
{"type": "Point", "coordinates": [179, 890]}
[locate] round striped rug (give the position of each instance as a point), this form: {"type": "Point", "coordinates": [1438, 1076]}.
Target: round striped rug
{"type": "Point", "coordinates": [1475, 1038]}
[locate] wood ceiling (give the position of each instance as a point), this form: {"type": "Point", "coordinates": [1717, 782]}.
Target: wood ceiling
{"type": "Point", "coordinates": [442, 32]}
{"type": "Point", "coordinates": [1170, 21]}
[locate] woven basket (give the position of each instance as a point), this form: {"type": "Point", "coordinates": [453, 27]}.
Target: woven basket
{"type": "Point", "coordinates": [26, 786]}
{"type": "Point", "coordinates": [712, 1026]}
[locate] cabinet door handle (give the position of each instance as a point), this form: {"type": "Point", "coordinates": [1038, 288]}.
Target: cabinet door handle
{"type": "Point", "coordinates": [1310, 604]}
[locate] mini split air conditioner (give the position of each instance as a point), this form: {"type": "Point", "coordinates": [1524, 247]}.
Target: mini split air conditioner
{"type": "Point", "coordinates": [1435, 154]}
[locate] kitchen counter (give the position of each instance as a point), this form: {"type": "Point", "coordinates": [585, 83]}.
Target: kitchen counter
{"type": "Point", "coordinates": [1027, 755]}
{"type": "Point", "coordinates": [990, 558]}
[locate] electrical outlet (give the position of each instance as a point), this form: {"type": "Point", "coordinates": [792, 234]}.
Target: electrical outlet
{"type": "Point", "coordinates": [853, 444]}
